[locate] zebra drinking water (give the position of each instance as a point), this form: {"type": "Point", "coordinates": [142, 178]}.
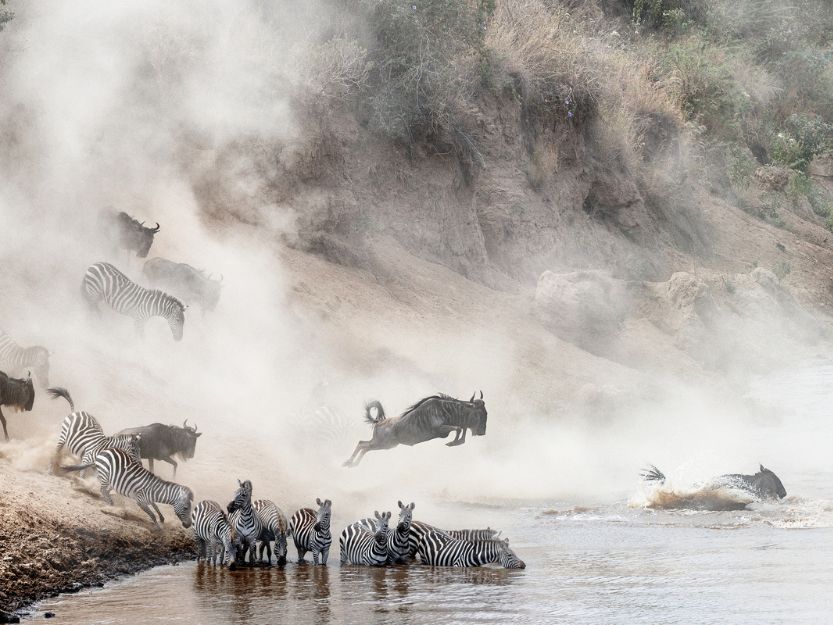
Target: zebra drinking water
{"type": "Point", "coordinates": [311, 531]}
{"type": "Point", "coordinates": [103, 282]}
{"type": "Point", "coordinates": [82, 435]}
{"type": "Point", "coordinates": [359, 546]}
{"type": "Point", "coordinates": [15, 359]}
{"type": "Point", "coordinates": [440, 549]}
{"type": "Point", "coordinates": [274, 528]}
{"type": "Point", "coordinates": [213, 533]}
{"type": "Point", "coordinates": [245, 522]}
{"type": "Point", "coordinates": [118, 471]}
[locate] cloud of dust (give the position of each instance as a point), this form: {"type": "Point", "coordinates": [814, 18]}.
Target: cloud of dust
{"type": "Point", "coordinates": [121, 104]}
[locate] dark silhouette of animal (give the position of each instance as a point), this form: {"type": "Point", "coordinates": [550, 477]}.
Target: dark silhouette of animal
{"type": "Point", "coordinates": [213, 533]}
{"type": "Point", "coordinates": [82, 435]}
{"type": "Point", "coordinates": [310, 530]}
{"type": "Point", "coordinates": [245, 522]}
{"type": "Point", "coordinates": [440, 549]}
{"type": "Point", "coordinates": [118, 471]}
{"type": "Point", "coordinates": [103, 282]}
{"type": "Point", "coordinates": [432, 417]}
{"type": "Point", "coordinates": [367, 548]}
{"type": "Point", "coordinates": [189, 284]}
{"type": "Point", "coordinates": [163, 442]}
{"type": "Point", "coordinates": [17, 394]}
{"type": "Point", "coordinates": [763, 484]}
{"type": "Point", "coordinates": [14, 359]}
{"type": "Point", "coordinates": [274, 528]}
{"type": "Point", "coordinates": [128, 233]}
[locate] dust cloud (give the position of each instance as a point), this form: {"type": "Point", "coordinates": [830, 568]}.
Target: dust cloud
{"type": "Point", "coordinates": [126, 104]}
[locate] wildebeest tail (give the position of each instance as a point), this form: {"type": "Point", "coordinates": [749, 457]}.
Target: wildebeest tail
{"type": "Point", "coordinates": [59, 391]}
{"type": "Point", "coordinates": [380, 412]}
{"type": "Point", "coordinates": [652, 474]}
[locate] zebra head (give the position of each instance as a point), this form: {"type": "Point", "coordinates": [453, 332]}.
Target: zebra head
{"type": "Point", "coordinates": [322, 517]}
{"type": "Point", "coordinates": [176, 317]}
{"type": "Point", "coordinates": [406, 515]}
{"type": "Point", "coordinates": [242, 497]}
{"type": "Point", "coordinates": [477, 415]}
{"type": "Point", "coordinates": [508, 558]}
{"type": "Point", "coordinates": [182, 505]}
{"type": "Point", "coordinates": [381, 533]}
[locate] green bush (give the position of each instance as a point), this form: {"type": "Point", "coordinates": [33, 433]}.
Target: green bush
{"type": "Point", "coordinates": [802, 137]}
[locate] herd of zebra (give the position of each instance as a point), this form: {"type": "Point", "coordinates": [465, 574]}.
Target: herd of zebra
{"type": "Point", "coordinates": [252, 526]}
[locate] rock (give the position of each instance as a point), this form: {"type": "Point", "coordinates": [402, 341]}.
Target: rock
{"type": "Point", "coordinates": [7, 617]}
{"type": "Point", "coordinates": [48, 614]}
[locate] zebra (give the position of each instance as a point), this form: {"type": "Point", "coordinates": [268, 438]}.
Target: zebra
{"type": "Point", "coordinates": [359, 546]}
{"type": "Point", "coordinates": [213, 532]}
{"type": "Point", "coordinates": [399, 549]}
{"type": "Point", "coordinates": [419, 529]}
{"type": "Point", "coordinates": [440, 549]}
{"type": "Point", "coordinates": [103, 282]}
{"type": "Point", "coordinates": [118, 471]}
{"type": "Point", "coordinates": [274, 528]}
{"type": "Point", "coordinates": [15, 359]}
{"type": "Point", "coordinates": [311, 531]}
{"type": "Point", "coordinates": [245, 522]}
{"type": "Point", "coordinates": [82, 435]}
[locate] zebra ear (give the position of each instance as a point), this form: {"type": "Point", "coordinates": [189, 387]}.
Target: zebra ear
{"type": "Point", "coordinates": [412, 505]}
{"type": "Point", "coordinates": [318, 501]}
{"type": "Point", "coordinates": [376, 514]}
{"type": "Point", "coordinates": [400, 504]}
{"type": "Point", "coordinates": [239, 483]}
{"type": "Point", "coordinates": [387, 515]}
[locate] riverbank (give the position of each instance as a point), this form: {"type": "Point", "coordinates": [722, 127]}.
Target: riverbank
{"type": "Point", "coordinates": [56, 537]}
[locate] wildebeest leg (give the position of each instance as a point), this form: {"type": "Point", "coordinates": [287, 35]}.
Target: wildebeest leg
{"type": "Point", "coordinates": [3, 421]}
{"type": "Point", "coordinates": [458, 440]}
{"type": "Point", "coordinates": [170, 460]}
{"type": "Point", "coordinates": [361, 449]}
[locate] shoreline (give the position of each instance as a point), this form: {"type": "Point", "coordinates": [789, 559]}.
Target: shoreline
{"type": "Point", "coordinates": [56, 537]}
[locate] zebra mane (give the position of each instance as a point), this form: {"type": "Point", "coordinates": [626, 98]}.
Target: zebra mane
{"type": "Point", "coordinates": [169, 297]}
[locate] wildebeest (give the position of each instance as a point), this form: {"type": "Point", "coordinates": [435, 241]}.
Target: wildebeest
{"type": "Point", "coordinates": [16, 393]}
{"type": "Point", "coordinates": [163, 442]}
{"type": "Point", "coordinates": [764, 484]}
{"type": "Point", "coordinates": [432, 417]}
{"type": "Point", "coordinates": [189, 284]}
{"type": "Point", "coordinates": [15, 359]}
{"type": "Point", "coordinates": [129, 233]}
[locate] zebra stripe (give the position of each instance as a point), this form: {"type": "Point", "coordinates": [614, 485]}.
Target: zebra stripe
{"type": "Point", "coordinates": [474, 535]}
{"type": "Point", "coordinates": [103, 282]}
{"type": "Point", "coordinates": [245, 522]}
{"type": "Point", "coordinates": [15, 359]}
{"type": "Point", "coordinates": [440, 549]}
{"type": "Point", "coordinates": [399, 546]}
{"type": "Point", "coordinates": [213, 532]}
{"type": "Point", "coordinates": [118, 471]}
{"type": "Point", "coordinates": [274, 525]}
{"type": "Point", "coordinates": [419, 529]}
{"type": "Point", "coordinates": [359, 546]}
{"type": "Point", "coordinates": [311, 531]}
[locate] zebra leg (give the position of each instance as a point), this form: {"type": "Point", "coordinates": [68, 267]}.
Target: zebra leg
{"type": "Point", "coordinates": [325, 553]}
{"type": "Point", "coordinates": [315, 553]}
{"type": "Point", "coordinates": [142, 500]}
{"type": "Point", "coordinates": [301, 553]}
{"type": "Point", "coordinates": [201, 549]}
{"type": "Point", "coordinates": [269, 553]}
{"type": "Point", "coordinates": [155, 507]}
{"type": "Point", "coordinates": [105, 495]}
{"type": "Point", "coordinates": [3, 421]}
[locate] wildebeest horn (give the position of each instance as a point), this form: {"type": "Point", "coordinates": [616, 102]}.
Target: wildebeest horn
{"type": "Point", "coordinates": [472, 396]}
{"type": "Point", "coordinates": [156, 229]}
{"type": "Point", "coordinates": [481, 394]}
{"type": "Point", "coordinates": [185, 424]}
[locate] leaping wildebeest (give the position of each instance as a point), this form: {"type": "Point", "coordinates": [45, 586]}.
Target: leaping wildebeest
{"type": "Point", "coordinates": [130, 234]}
{"type": "Point", "coordinates": [432, 417]}
{"type": "Point", "coordinates": [189, 284]}
{"type": "Point", "coordinates": [764, 484]}
{"type": "Point", "coordinates": [17, 394]}
{"type": "Point", "coordinates": [163, 442]}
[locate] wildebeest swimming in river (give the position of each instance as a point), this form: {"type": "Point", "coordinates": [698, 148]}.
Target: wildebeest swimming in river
{"type": "Point", "coordinates": [764, 484]}
{"type": "Point", "coordinates": [163, 442]}
{"type": "Point", "coordinates": [18, 394]}
{"type": "Point", "coordinates": [432, 417]}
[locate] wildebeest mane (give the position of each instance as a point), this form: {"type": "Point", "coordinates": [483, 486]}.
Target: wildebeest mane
{"type": "Point", "coordinates": [440, 396]}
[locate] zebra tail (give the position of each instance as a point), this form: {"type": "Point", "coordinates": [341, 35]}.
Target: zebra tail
{"type": "Point", "coordinates": [380, 412]}
{"type": "Point", "coordinates": [652, 474]}
{"type": "Point", "coordinates": [60, 391]}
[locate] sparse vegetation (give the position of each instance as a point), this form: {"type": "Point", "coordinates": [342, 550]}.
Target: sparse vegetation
{"type": "Point", "coordinates": [5, 15]}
